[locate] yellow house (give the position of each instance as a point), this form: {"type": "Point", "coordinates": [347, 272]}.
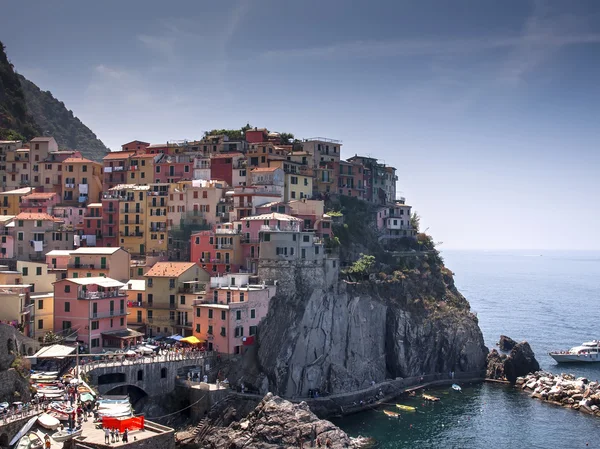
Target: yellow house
{"type": "Point", "coordinates": [143, 217]}
{"type": "Point", "coordinates": [43, 314]}
{"type": "Point", "coordinates": [111, 262]}
{"type": "Point", "coordinates": [36, 274]}
{"type": "Point", "coordinates": [298, 184]}
{"type": "Point", "coordinates": [14, 300]}
{"type": "Point", "coordinates": [10, 201]}
{"type": "Point", "coordinates": [141, 170]}
{"type": "Point", "coordinates": [171, 289]}
{"type": "Point", "coordinates": [81, 180]}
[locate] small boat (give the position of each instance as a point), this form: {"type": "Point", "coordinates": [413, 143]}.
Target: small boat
{"type": "Point", "coordinates": [66, 434]}
{"type": "Point", "coordinates": [456, 387]}
{"type": "Point", "coordinates": [391, 414]}
{"type": "Point", "coordinates": [59, 416]}
{"type": "Point", "coordinates": [28, 425]}
{"type": "Point", "coordinates": [406, 408]}
{"type": "Point", "coordinates": [4, 405]}
{"type": "Point", "coordinates": [587, 352]}
{"type": "Point", "coordinates": [30, 441]}
{"type": "Point", "coordinates": [430, 398]}
{"type": "Point", "coordinates": [48, 421]}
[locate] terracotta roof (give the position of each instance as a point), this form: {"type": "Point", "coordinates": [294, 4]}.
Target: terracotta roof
{"type": "Point", "coordinates": [118, 155]}
{"type": "Point", "coordinates": [40, 196]}
{"type": "Point", "coordinates": [145, 155]}
{"type": "Point", "coordinates": [35, 216]}
{"type": "Point", "coordinates": [71, 160]}
{"type": "Point", "coordinates": [265, 169]}
{"type": "Point", "coordinates": [169, 269]}
{"type": "Point", "coordinates": [41, 139]}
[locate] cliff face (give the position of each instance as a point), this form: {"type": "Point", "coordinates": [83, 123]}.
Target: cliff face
{"type": "Point", "coordinates": [343, 337]}
{"type": "Point", "coordinates": [14, 386]}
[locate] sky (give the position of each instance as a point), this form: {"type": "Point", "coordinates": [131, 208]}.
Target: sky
{"type": "Point", "coordinates": [489, 110]}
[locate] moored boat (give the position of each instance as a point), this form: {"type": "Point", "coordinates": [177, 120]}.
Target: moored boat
{"type": "Point", "coordinates": [430, 398]}
{"type": "Point", "coordinates": [587, 352]}
{"type": "Point", "coordinates": [406, 408]}
{"type": "Point", "coordinates": [66, 434]}
{"type": "Point", "coordinates": [48, 421]}
{"type": "Point", "coordinates": [391, 414]}
{"type": "Point", "coordinates": [30, 441]}
{"type": "Point", "coordinates": [456, 387]}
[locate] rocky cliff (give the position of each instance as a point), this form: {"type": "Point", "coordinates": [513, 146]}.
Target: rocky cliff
{"type": "Point", "coordinates": [14, 385]}
{"type": "Point", "coordinates": [343, 336]}
{"type": "Point", "coordinates": [276, 423]}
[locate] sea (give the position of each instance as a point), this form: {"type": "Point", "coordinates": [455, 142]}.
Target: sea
{"type": "Point", "coordinates": [550, 299]}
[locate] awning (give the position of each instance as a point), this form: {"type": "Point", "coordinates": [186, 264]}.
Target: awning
{"type": "Point", "coordinates": [123, 334]}
{"type": "Point", "coordinates": [54, 351]}
{"type": "Point", "coordinates": [175, 337]}
{"type": "Point", "coordinates": [192, 340]}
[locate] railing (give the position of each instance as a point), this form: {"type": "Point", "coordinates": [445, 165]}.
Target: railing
{"type": "Point", "coordinates": [184, 324]}
{"type": "Point", "coordinates": [161, 320]}
{"type": "Point", "coordinates": [101, 295]}
{"type": "Point", "coordinates": [323, 139]}
{"type": "Point", "coordinates": [131, 234]}
{"type": "Point", "coordinates": [158, 193]}
{"type": "Point", "coordinates": [86, 265]}
{"type": "Point", "coordinates": [127, 222]}
{"type": "Point", "coordinates": [134, 211]}
{"type": "Point", "coordinates": [289, 228]}
{"type": "Point", "coordinates": [192, 290]}
{"type": "Point", "coordinates": [112, 313]}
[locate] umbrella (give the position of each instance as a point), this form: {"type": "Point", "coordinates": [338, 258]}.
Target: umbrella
{"type": "Point", "coordinates": [176, 337]}
{"type": "Point", "coordinates": [191, 340]}
{"type": "Point", "coordinates": [130, 352]}
{"type": "Point", "coordinates": [86, 397]}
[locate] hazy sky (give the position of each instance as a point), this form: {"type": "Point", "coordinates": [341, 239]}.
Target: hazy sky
{"type": "Point", "coordinates": [489, 109]}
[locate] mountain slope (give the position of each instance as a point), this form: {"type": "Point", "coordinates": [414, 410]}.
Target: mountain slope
{"type": "Point", "coordinates": [54, 119]}
{"type": "Point", "coordinates": [15, 121]}
{"type": "Point", "coordinates": [26, 112]}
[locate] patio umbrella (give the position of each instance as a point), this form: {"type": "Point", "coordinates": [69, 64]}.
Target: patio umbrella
{"type": "Point", "coordinates": [191, 340]}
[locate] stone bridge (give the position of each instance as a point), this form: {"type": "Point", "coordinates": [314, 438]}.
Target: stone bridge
{"type": "Point", "coordinates": [152, 377]}
{"type": "Point", "coordinates": [9, 428]}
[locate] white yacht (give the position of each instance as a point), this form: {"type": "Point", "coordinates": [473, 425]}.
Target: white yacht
{"type": "Point", "coordinates": [588, 352]}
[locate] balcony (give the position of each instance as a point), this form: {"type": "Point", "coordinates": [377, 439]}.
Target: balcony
{"type": "Point", "coordinates": [87, 266]}
{"type": "Point", "coordinates": [281, 228]}
{"type": "Point", "coordinates": [127, 222]}
{"type": "Point", "coordinates": [101, 295]}
{"type": "Point", "coordinates": [131, 234]}
{"type": "Point", "coordinates": [184, 324]}
{"type": "Point", "coordinates": [197, 290]}
{"type": "Point", "coordinates": [110, 314]}
{"type": "Point", "coordinates": [134, 211]}
{"type": "Point", "coordinates": [159, 192]}
{"type": "Point", "coordinates": [250, 241]}
{"type": "Point", "coordinates": [161, 320]}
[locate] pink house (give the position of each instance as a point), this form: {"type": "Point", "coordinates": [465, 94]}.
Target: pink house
{"type": "Point", "coordinates": [227, 317]}
{"type": "Point", "coordinates": [173, 168]}
{"type": "Point", "coordinates": [95, 309]}
{"type": "Point", "coordinates": [312, 213]}
{"type": "Point", "coordinates": [39, 202]}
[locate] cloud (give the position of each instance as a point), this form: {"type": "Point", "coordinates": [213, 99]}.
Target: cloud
{"type": "Point", "coordinates": [163, 45]}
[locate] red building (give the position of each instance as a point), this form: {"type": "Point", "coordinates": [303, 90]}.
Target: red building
{"type": "Point", "coordinates": [110, 219]}
{"type": "Point", "coordinates": [217, 251]}
{"type": "Point", "coordinates": [134, 145]}
{"type": "Point", "coordinates": [257, 135]}
{"type": "Point", "coordinates": [222, 165]}
{"type": "Point", "coordinates": [173, 168]}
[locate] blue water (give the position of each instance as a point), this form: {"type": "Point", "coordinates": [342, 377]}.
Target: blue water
{"type": "Point", "coordinates": [549, 299]}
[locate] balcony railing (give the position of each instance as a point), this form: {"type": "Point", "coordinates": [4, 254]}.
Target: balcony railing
{"type": "Point", "coordinates": [112, 313]}
{"type": "Point", "coordinates": [131, 234]}
{"type": "Point", "coordinates": [89, 266]}
{"type": "Point", "coordinates": [161, 320]}
{"type": "Point", "coordinates": [132, 211]}
{"type": "Point", "coordinates": [101, 295]}
{"type": "Point", "coordinates": [127, 222]}
{"type": "Point", "coordinates": [201, 288]}
{"type": "Point", "coordinates": [184, 324]}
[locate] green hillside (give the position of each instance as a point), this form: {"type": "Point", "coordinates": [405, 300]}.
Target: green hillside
{"type": "Point", "coordinates": [26, 111]}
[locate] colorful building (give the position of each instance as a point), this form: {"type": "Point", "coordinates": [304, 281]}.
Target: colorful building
{"type": "Point", "coordinates": [94, 309]}
{"type": "Point", "coordinates": [223, 166]}
{"type": "Point", "coordinates": [38, 233]}
{"type": "Point", "coordinates": [394, 221]}
{"type": "Point", "coordinates": [10, 201]}
{"type": "Point", "coordinates": [171, 288]}
{"type": "Point", "coordinates": [227, 315]}
{"type": "Point", "coordinates": [136, 304]}
{"type": "Point", "coordinates": [39, 202]}
{"type": "Point", "coordinates": [82, 180]}
{"type": "Point", "coordinates": [101, 261]}
{"type": "Point", "coordinates": [173, 168]}
{"type": "Point", "coordinates": [7, 231]}
{"type": "Point", "coordinates": [218, 251]}
{"type": "Point", "coordinates": [90, 229]}
{"type": "Point", "coordinates": [312, 213]}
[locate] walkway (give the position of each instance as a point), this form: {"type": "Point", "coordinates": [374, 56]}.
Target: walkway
{"type": "Point", "coordinates": [166, 356]}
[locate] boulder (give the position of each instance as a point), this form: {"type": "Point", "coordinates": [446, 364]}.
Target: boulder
{"type": "Point", "coordinates": [506, 344]}
{"type": "Point", "coordinates": [276, 423]}
{"type": "Point", "coordinates": [495, 365]}
{"type": "Point", "coordinates": [520, 362]}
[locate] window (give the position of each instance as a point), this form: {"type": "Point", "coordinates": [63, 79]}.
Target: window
{"type": "Point", "coordinates": [306, 238]}
{"type": "Point", "coordinates": [25, 271]}
{"type": "Point", "coordinates": [241, 296]}
{"type": "Point", "coordinates": [84, 168]}
{"type": "Point", "coordinates": [139, 316]}
{"type": "Point", "coordinates": [223, 332]}
{"type": "Point", "coordinates": [210, 314]}
{"type": "Point", "coordinates": [40, 324]}
{"type": "Point", "coordinates": [204, 194]}
{"type": "Point", "coordinates": [239, 331]}
{"type": "Point", "coordinates": [171, 283]}
{"type": "Point", "coordinates": [40, 304]}
{"type": "Point", "coordinates": [266, 237]}
{"type": "Point", "coordinates": [182, 299]}
{"type": "Point", "coordinates": [228, 297]}
{"type": "Point", "coordinates": [20, 236]}
{"type": "Point", "coordinates": [149, 285]}
{"type": "Point", "coordinates": [95, 342]}
{"type": "Point", "coordinates": [238, 315]}
{"type": "Point", "coordinates": [163, 373]}
{"type": "Point", "coordinates": [252, 330]}
{"type": "Point", "coordinates": [67, 306]}
{"type": "Point", "coordinates": [38, 271]}
{"type": "Point", "coordinates": [122, 321]}
{"type": "Point", "coordinates": [150, 299]}
{"type": "Point", "coordinates": [252, 313]}
{"type": "Point", "coordinates": [95, 325]}
{"type": "Point", "coordinates": [210, 330]}
{"type": "Point", "coordinates": [140, 374]}
{"type": "Point", "coordinates": [198, 327]}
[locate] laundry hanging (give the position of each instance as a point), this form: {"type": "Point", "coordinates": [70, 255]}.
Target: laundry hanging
{"type": "Point", "coordinates": [38, 246]}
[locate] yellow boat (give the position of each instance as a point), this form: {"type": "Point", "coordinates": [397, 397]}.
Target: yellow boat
{"type": "Point", "coordinates": [430, 398]}
{"type": "Point", "coordinates": [391, 414]}
{"type": "Point", "coordinates": [406, 408]}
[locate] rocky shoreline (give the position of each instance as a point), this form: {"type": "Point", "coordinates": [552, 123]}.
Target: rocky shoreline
{"type": "Point", "coordinates": [564, 390]}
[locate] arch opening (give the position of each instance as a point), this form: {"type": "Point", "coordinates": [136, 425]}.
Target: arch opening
{"type": "Point", "coordinates": [4, 440]}
{"type": "Point", "coordinates": [111, 378]}
{"type": "Point", "coordinates": [136, 395]}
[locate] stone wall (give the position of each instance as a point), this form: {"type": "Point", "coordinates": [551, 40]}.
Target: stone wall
{"type": "Point", "coordinates": [164, 438]}
{"type": "Point", "coordinates": [153, 383]}
{"type": "Point", "coordinates": [9, 430]}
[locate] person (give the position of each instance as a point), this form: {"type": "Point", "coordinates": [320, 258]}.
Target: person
{"type": "Point", "coordinates": [328, 442]}
{"type": "Point", "coordinates": [117, 434]}
{"type": "Point", "coordinates": [106, 435]}
{"type": "Point", "coordinates": [112, 435]}
{"type": "Point", "coordinates": [47, 442]}
{"type": "Point", "coordinates": [125, 436]}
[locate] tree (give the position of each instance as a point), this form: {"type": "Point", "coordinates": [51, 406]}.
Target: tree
{"type": "Point", "coordinates": [361, 268]}
{"type": "Point", "coordinates": [286, 138]}
{"type": "Point", "coordinates": [415, 221]}
{"type": "Point", "coordinates": [50, 338]}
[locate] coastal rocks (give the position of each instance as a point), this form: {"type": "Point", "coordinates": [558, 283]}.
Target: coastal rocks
{"type": "Point", "coordinates": [277, 423]}
{"type": "Point", "coordinates": [14, 386]}
{"type": "Point", "coordinates": [506, 344]}
{"type": "Point", "coordinates": [520, 362]}
{"type": "Point", "coordinates": [563, 389]}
